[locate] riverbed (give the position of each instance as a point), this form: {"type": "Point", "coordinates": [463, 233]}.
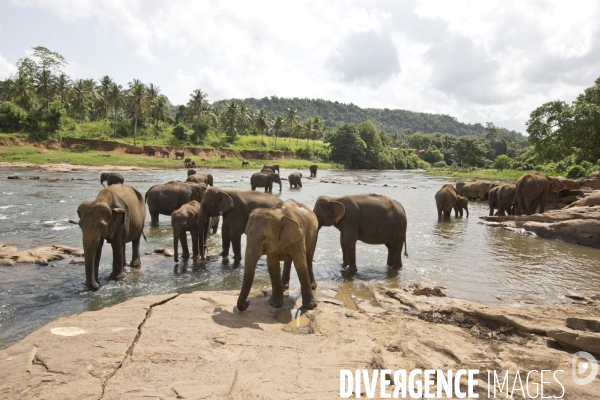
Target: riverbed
{"type": "Point", "coordinates": [472, 261]}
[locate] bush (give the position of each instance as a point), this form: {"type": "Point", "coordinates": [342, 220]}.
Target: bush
{"type": "Point", "coordinates": [440, 164]}
{"type": "Point", "coordinates": [43, 123]}
{"type": "Point", "coordinates": [180, 132]}
{"type": "Point", "coordinates": [576, 171]}
{"type": "Point", "coordinates": [433, 155]}
{"type": "Point", "coordinates": [502, 162]}
{"type": "Point", "coordinates": [201, 126]}
{"type": "Point", "coordinates": [12, 117]}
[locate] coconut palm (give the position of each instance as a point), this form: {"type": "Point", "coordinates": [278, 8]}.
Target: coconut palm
{"type": "Point", "coordinates": [137, 99]}
{"type": "Point", "coordinates": [262, 123]}
{"type": "Point", "coordinates": [80, 99]}
{"type": "Point", "coordinates": [44, 85]}
{"type": "Point", "coordinates": [24, 93]}
{"type": "Point", "coordinates": [318, 126]}
{"type": "Point", "coordinates": [278, 126]}
{"type": "Point", "coordinates": [197, 102]}
{"type": "Point", "coordinates": [116, 98]}
{"type": "Point", "coordinates": [246, 116]}
{"type": "Point", "coordinates": [106, 84]}
{"type": "Point", "coordinates": [63, 88]}
{"type": "Point", "coordinates": [95, 103]}
{"type": "Point", "coordinates": [308, 128]}
{"type": "Point", "coordinates": [291, 120]}
{"type": "Point", "coordinates": [7, 89]}
{"type": "Point", "coordinates": [160, 109]}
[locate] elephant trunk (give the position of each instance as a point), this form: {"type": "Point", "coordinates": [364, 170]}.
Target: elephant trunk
{"type": "Point", "coordinates": [250, 262]}
{"type": "Point", "coordinates": [102, 183]}
{"type": "Point", "coordinates": [202, 226]}
{"type": "Point", "coordinates": [90, 248]}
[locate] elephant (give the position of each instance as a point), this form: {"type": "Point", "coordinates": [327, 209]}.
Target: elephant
{"type": "Point", "coordinates": [235, 206]}
{"type": "Point", "coordinates": [191, 172]}
{"type": "Point", "coordinates": [245, 164]}
{"type": "Point", "coordinates": [187, 160]}
{"type": "Point", "coordinates": [287, 233]}
{"type": "Point", "coordinates": [222, 156]}
{"type": "Point", "coordinates": [191, 164]}
{"type": "Point", "coordinates": [533, 189]}
{"type": "Point", "coordinates": [446, 198]}
{"type": "Point", "coordinates": [269, 170]}
{"type": "Point", "coordinates": [111, 178]}
{"type": "Point", "coordinates": [265, 179]}
{"type": "Point", "coordinates": [506, 197]}
{"type": "Point", "coordinates": [295, 179]}
{"type": "Point", "coordinates": [201, 178]}
{"type": "Point", "coordinates": [168, 197]}
{"type": "Point", "coordinates": [151, 151]}
{"type": "Point", "coordinates": [185, 219]}
{"type": "Point", "coordinates": [179, 154]}
{"type": "Point", "coordinates": [476, 190]}
{"type": "Point", "coordinates": [370, 218]}
{"type": "Point", "coordinates": [493, 199]}
{"type": "Point", "coordinates": [459, 186]}
{"type": "Point", "coordinates": [164, 153]}
{"type": "Point", "coordinates": [117, 216]}
{"type": "Point", "coordinates": [313, 170]}
{"type": "Point", "coordinates": [274, 167]}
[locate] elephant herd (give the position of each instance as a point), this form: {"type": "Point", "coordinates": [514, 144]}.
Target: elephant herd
{"type": "Point", "coordinates": [525, 196]}
{"type": "Point", "coordinates": [282, 230]}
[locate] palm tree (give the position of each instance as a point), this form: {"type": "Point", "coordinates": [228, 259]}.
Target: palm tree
{"type": "Point", "coordinates": [63, 88]}
{"type": "Point", "coordinates": [7, 90]}
{"type": "Point", "coordinates": [153, 93]}
{"type": "Point", "coordinates": [160, 109]}
{"type": "Point", "coordinates": [262, 123]}
{"type": "Point", "coordinates": [318, 125]}
{"type": "Point", "coordinates": [230, 118]}
{"type": "Point", "coordinates": [291, 120]}
{"type": "Point", "coordinates": [278, 126]}
{"type": "Point", "coordinates": [246, 116]}
{"type": "Point", "coordinates": [308, 130]}
{"type": "Point", "coordinates": [116, 97]}
{"type": "Point", "coordinates": [24, 93]}
{"type": "Point", "coordinates": [95, 103]}
{"type": "Point", "coordinates": [197, 102]}
{"type": "Point", "coordinates": [106, 84]}
{"type": "Point", "coordinates": [80, 98]}
{"type": "Point", "coordinates": [136, 97]}
{"type": "Point", "coordinates": [44, 84]}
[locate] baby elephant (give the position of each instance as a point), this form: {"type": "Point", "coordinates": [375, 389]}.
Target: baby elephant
{"type": "Point", "coordinates": [295, 179]}
{"type": "Point", "coordinates": [446, 199]}
{"type": "Point", "coordinates": [111, 178]}
{"type": "Point", "coordinates": [289, 233]}
{"type": "Point", "coordinates": [201, 178]}
{"type": "Point", "coordinates": [185, 219]}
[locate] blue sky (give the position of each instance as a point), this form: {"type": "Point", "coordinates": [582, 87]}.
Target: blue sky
{"type": "Point", "coordinates": [478, 61]}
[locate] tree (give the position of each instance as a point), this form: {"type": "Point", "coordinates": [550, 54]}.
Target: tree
{"type": "Point", "coordinates": [502, 162]}
{"type": "Point", "coordinates": [433, 155]}
{"type": "Point", "coordinates": [277, 126]}
{"type": "Point", "coordinates": [469, 150]}
{"type": "Point", "coordinates": [197, 102]}
{"type": "Point", "coordinates": [136, 97]}
{"type": "Point", "coordinates": [262, 123]}
{"type": "Point", "coordinates": [231, 115]}
{"type": "Point", "coordinates": [179, 132]}
{"type": "Point", "coordinates": [106, 84]}
{"type": "Point", "coordinates": [44, 85]}
{"type": "Point", "coordinates": [80, 99]}
{"type": "Point", "coordinates": [347, 147]}
{"type": "Point", "coordinates": [116, 97]}
{"type": "Point", "coordinates": [291, 120]}
{"type": "Point", "coordinates": [307, 127]}
{"type": "Point", "coordinates": [201, 126]}
{"type": "Point", "coordinates": [12, 117]}
{"type": "Point", "coordinates": [24, 93]}
{"type": "Point", "coordinates": [318, 126]}
{"type": "Point", "coordinates": [368, 133]}
{"type": "Point", "coordinates": [7, 90]}
{"type": "Point", "coordinates": [63, 88]}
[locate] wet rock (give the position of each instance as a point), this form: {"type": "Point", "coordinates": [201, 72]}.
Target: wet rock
{"type": "Point", "coordinates": [148, 253]}
{"type": "Point", "coordinates": [590, 324]}
{"type": "Point", "coordinates": [74, 221]}
{"type": "Point", "coordinates": [78, 261]}
{"type": "Point", "coordinates": [428, 291]}
{"type": "Point", "coordinates": [13, 177]}
{"type": "Point", "coordinates": [575, 296]}
{"type": "Point", "coordinates": [329, 292]}
{"type": "Point", "coordinates": [589, 201]}
{"type": "Point", "coordinates": [586, 341]}
{"type": "Point", "coordinates": [40, 255]}
{"type": "Point", "coordinates": [591, 181]}
{"type": "Point", "coordinates": [168, 253]}
{"type": "Point", "coordinates": [160, 251]}
{"type": "Point", "coordinates": [34, 177]}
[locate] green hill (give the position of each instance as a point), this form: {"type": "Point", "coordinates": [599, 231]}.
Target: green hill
{"type": "Point", "coordinates": [387, 120]}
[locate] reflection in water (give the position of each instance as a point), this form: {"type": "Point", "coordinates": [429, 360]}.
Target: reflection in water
{"type": "Point", "coordinates": [473, 261]}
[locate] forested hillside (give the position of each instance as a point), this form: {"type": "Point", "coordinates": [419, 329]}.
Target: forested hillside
{"type": "Point", "coordinates": [389, 121]}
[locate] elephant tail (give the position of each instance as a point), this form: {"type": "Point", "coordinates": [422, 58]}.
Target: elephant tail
{"type": "Point", "coordinates": [405, 249]}
{"type": "Point", "coordinates": [144, 235]}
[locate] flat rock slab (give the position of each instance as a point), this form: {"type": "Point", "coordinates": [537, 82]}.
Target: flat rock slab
{"type": "Point", "coordinates": [39, 255]}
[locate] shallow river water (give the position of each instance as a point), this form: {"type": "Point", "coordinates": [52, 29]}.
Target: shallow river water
{"type": "Point", "coordinates": [473, 261]}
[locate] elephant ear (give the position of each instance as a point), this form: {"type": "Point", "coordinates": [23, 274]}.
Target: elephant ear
{"type": "Point", "coordinates": [338, 210]}
{"type": "Point", "coordinates": [118, 215]}
{"type": "Point", "coordinates": [225, 202]}
{"type": "Point", "coordinates": [83, 207]}
{"type": "Point", "coordinates": [290, 232]}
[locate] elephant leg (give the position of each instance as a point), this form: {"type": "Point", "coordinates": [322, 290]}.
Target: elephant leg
{"type": "Point", "coordinates": [397, 253]}
{"type": "Point", "coordinates": [195, 241]}
{"type": "Point", "coordinates": [390, 257]}
{"type": "Point", "coordinates": [136, 261]}
{"type": "Point", "coordinates": [253, 187]}
{"type": "Point", "coordinates": [276, 299]}
{"type": "Point", "coordinates": [124, 257]}
{"type": "Point", "coordinates": [446, 214]}
{"type": "Point", "coordinates": [215, 227]}
{"type": "Point", "coordinates": [309, 263]}
{"type": "Point", "coordinates": [542, 203]}
{"type": "Point", "coordinates": [94, 280]}
{"type": "Point", "coordinates": [185, 250]}
{"type": "Point", "coordinates": [344, 256]}
{"type": "Point", "coordinates": [308, 300]}
{"type": "Point", "coordinates": [439, 215]}
{"type": "Point", "coordinates": [236, 243]}
{"type": "Point", "coordinates": [285, 277]}
{"type": "Point", "coordinates": [154, 218]}
{"type": "Point", "coordinates": [225, 239]}
{"type": "Point", "coordinates": [349, 244]}
{"type": "Point", "coordinates": [117, 243]}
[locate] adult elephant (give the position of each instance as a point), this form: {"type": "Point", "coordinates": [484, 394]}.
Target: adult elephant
{"type": "Point", "coordinates": [111, 178]}
{"type": "Point", "coordinates": [117, 216]}
{"type": "Point", "coordinates": [207, 179]}
{"type": "Point", "coordinates": [265, 179]}
{"type": "Point", "coordinates": [313, 170]}
{"type": "Point", "coordinates": [446, 199]}
{"type": "Point", "coordinates": [506, 198]}
{"type": "Point", "coordinates": [165, 153]}
{"type": "Point", "coordinates": [287, 233]}
{"type": "Point", "coordinates": [235, 206]}
{"type": "Point", "coordinates": [191, 172]}
{"type": "Point", "coordinates": [185, 219]}
{"type": "Point", "coordinates": [533, 189]}
{"type": "Point", "coordinates": [370, 218]}
{"type": "Point", "coordinates": [493, 199]}
{"type": "Point", "coordinates": [168, 197]}
{"type": "Point", "coordinates": [295, 179]}
{"type": "Point", "coordinates": [477, 190]}
{"type": "Point", "coordinates": [179, 154]}
{"type": "Point", "coordinates": [245, 164]}
{"type": "Point", "coordinates": [274, 167]}
{"type": "Point", "coordinates": [187, 160]}
{"type": "Point", "coordinates": [151, 151]}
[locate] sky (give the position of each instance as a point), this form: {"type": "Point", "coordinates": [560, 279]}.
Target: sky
{"type": "Point", "coordinates": [479, 61]}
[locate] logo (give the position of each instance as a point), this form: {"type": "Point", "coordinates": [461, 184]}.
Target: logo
{"type": "Point", "coordinates": [585, 368]}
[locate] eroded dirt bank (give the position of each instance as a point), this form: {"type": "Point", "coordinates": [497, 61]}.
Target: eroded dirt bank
{"type": "Point", "coordinates": [198, 345]}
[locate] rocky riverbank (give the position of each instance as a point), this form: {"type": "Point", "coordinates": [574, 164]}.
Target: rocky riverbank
{"type": "Point", "coordinates": [198, 345]}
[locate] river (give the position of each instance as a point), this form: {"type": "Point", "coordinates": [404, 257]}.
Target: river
{"type": "Point", "coordinates": [471, 260]}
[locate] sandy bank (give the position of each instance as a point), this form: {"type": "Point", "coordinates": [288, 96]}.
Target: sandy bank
{"type": "Point", "coordinates": [70, 167]}
{"type": "Point", "coordinates": [198, 345]}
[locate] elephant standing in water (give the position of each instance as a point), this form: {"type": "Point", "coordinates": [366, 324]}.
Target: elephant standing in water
{"type": "Point", "coordinates": [476, 190]}
{"type": "Point", "coordinates": [446, 199]}
{"type": "Point", "coordinates": [313, 170]}
{"type": "Point", "coordinates": [493, 199]}
{"type": "Point", "coordinates": [370, 218]}
{"type": "Point", "coordinates": [288, 233]}
{"type": "Point", "coordinates": [185, 219]}
{"type": "Point", "coordinates": [273, 167]}
{"type": "Point", "coordinates": [111, 178]}
{"type": "Point", "coordinates": [533, 189]}
{"type": "Point", "coordinates": [166, 198]}
{"type": "Point", "coordinates": [117, 216]}
{"type": "Point", "coordinates": [235, 206]}
{"type": "Point", "coordinates": [504, 199]}
{"type": "Point", "coordinates": [295, 179]}
{"type": "Point", "coordinates": [206, 179]}
{"type": "Point", "coordinates": [265, 179]}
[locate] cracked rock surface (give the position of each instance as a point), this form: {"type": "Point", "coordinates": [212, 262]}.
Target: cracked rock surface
{"type": "Point", "coordinates": [199, 346]}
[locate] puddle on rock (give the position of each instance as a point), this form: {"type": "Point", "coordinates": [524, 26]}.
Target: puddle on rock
{"type": "Point", "coordinates": [350, 293]}
{"type": "Point", "coordinates": [295, 319]}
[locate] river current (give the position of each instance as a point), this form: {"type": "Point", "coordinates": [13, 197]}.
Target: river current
{"type": "Point", "coordinates": [473, 261]}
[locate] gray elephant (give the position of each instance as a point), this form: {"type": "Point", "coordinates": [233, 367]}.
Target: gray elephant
{"type": "Point", "coordinates": [274, 167]}
{"type": "Point", "coordinates": [477, 190]}
{"type": "Point", "coordinates": [446, 199]}
{"type": "Point", "coordinates": [111, 178]}
{"type": "Point", "coordinates": [185, 219]}
{"type": "Point", "coordinates": [506, 198]}
{"type": "Point", "coordinates": [165, 153]}
{"type": "Point", "coordinates": [313, 170]}
{"type": "Point", "coordinates": [117, 216]}
{"type": "Point", "coordinates": [295, 179]}
{"type": "Point", "coordinates": [245, 164]}
{"type": "Point", "coordinates": [207, 179]}
{"type": "Point", "coordinates": [235, 206]}
{"type": "Point", "coordinates": [179, 155]}
{"type": "Point", "coordinates": [533, 189]}
{"type": "Point", "coordinates": [370, 218]}
{"type": "Point", "coordinates": [168, 197]}
{"type": "Point", "coordinates": [287, 233]}
{"type": "Point", "coordinates": [151, 151]}
{"type": "Point", "coordinates": [191, 172]}
{"type": "Point", "coordinates": [187, 160]}
{"type": "Point", "coordinates": [265, 179]}
{"type": "Point", "coordinates": [493, 199]}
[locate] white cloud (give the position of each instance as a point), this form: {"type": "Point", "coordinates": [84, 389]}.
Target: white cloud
{"type": "Point", "coordinates": [6, 68]}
